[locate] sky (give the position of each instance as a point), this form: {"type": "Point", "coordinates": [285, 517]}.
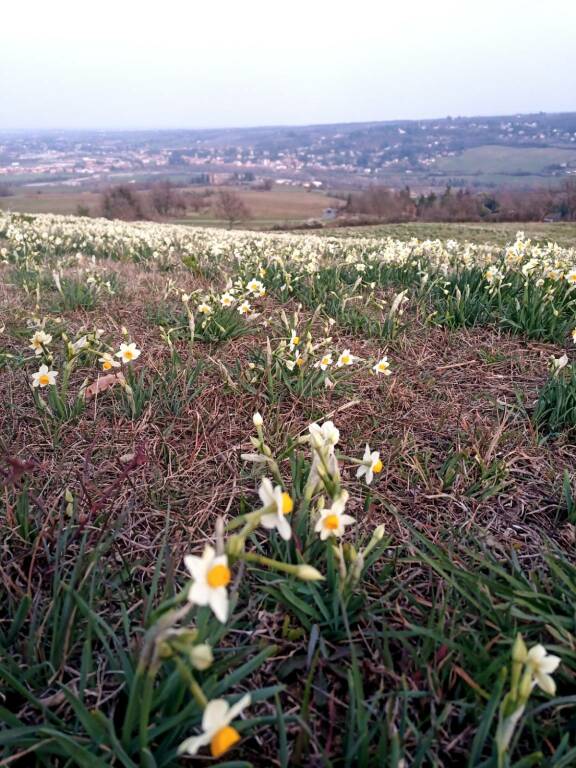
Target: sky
{"type": "Point", "coordinates": [190, 64]}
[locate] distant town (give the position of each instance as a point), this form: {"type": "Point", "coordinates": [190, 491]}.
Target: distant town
{"type": "Point", "coordinates": [462, 152]}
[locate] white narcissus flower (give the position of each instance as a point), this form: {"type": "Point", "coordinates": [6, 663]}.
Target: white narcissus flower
{"type": "Point", "coordinates": [559, 362]}
{"type": "Point", "coordinates": [324, 362]}
{"type": "Point", "coordinates": [44, 377]}
{"type": "Point", "coordinates": [108, 362]}
{"type": "Point", "coordinates": [257, 419]}
{"type": "Point", "coordinates": [227, 299]}
{"type": "Point", "coordinates": [325, 436]}
{"type": "Point", "coordinates": [128, 352]}
{"type": "Point", "coordinates": [333, 521]}
{"type": "Point", "coordinates": [39, 340]}
{"type": "Point", "coordinates": [82, 343]}
{"type": "Point", "coordinates": [245, 308]}
{"type": "Point", "coordinates": [256, 287]}
{"type": "Point", "coordinates": [211, 576]}
{"type": "Point", "coordinates": [216, 728]}
{"type": "Point", "coordinates": [346, 358]}
{"type": "Point", "coordinates": [542, 664]}
{"type": "Point", "coordinates": [574, 335]}
{"type": "Point", "coordinates": [204, 308]}
{"type": "Point", "coordinates": [280, 504]}
{"type": "Point", "coordinates": [382, 366]}
{"type": "Point", "coordinates": [294, 340]}
{"type": "Point", "coordinates": [371, 465]}
{"type": "Point", "coordinates": [571, 276]}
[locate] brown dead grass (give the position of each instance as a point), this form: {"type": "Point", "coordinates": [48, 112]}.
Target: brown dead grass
{"type": "Point", "coordinates": [450, 391]}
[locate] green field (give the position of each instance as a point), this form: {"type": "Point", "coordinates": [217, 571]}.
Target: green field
{"type": "Point", "coordinates": [506, 161]}
{"type": "Point", "coordinates": [499, 233]}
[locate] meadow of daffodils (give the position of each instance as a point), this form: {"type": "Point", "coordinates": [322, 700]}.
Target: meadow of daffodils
{"type": "Point", "coordinates": [285, 500]}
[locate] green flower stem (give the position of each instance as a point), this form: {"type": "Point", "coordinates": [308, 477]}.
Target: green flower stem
{"type": "Point", "coordinates": [195, 689]}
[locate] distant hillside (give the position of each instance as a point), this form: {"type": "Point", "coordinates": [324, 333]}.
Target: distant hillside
{"type": "Point", "coordinates": [519, 150]}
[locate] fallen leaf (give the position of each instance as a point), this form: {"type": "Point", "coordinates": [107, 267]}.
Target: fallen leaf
{"type": "Point", "coordinates": [103, 383]}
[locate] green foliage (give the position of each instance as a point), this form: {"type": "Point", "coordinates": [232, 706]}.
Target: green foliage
{"type": "Point", "coordinates": [556, 407]}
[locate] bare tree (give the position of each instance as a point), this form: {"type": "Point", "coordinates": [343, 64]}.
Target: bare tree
{"type": "Point", "coordinates": [230, 206]}
{"type": "Point", "coordinates": [122, 202]}
{"type": "Point", "coordinates": [166, 200]}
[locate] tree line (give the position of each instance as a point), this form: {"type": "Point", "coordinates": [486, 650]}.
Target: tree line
{"type": "Point", "coordinates": [382, 204]}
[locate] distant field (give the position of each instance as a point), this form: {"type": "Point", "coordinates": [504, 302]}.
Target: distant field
{"type": "Point", "coordinates": [494, 159]}
{"type": "Point", "coordinates": [50, 202]}
{"type": "Point", "coordinates": [278, 205]}
{"type": "Point", "coordinates": [500, 233]}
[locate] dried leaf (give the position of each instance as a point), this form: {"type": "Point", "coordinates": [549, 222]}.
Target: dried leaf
{"type": "Point", "coordinates": [103, 383]}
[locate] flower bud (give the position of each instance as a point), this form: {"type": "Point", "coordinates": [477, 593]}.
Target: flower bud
{"type": "Point", "coordinates": [378, 533]}
{"type": "Point", "coordinates": [257, 419]}
{"type": "Point", "coordinates": [519, 650]}
{"type": "Point", "coordinates": [201, 656]}
{"type": "Point", "coordinates": [308, 573]}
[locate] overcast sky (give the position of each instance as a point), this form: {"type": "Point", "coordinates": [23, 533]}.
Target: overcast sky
{"type": "Point", "coordinates": [202, 63]}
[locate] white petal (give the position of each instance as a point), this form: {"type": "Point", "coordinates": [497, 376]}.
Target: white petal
{"type": "Point", "coordinates": [546, 683]}
{"type": "Point", "coordinates": [266, 492]}
{"type": "Point", "coordinates": [235, 709]}
{"type": "Point", "coordinates": [537, 653]}
{"type": "Point", "coordinates": [284, 528]}
{"type": "Point", "coordinates": [199, 593]}
{"type": "Point", "coordinates": [195, 566]}
{"type": "Point", "coordinates": [269, 521]}
{"type": "Point", "coordinates": [361, 471]}
{"type": "Point", "coordinates": [194, 743]}
{"type": "Point", "coordinates": [549, 664]}
{"type": "Point", "coordinates": [215, 715]}
{"type": "Point", "coordinates": [219, 603]}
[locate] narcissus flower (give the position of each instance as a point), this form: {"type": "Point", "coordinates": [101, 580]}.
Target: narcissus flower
{"type": "Point", "coordinates": [279, 504]}
{"type": "Point", "coordinates": [40, 340]}
{"type": "Point", "coordinates": [346, 358]}
{"type": "Point", "coordinates": [245, 308]}
{"type": "Point", "coordinates": [574, 335]}
{"type": "Point", "coordinates": [382, 366]}
{"type": "Point", "coordinates": [108, 362]}
{"type": "Point", "coordinates": [227, 299]}
{"type": "Point", "coordinates": [81, 343]}
{"type": "Point", "coordinates": [557, 363]}
{"type": "Point", "coordinates": [256, 287]}
{"type": "Point", "coordinates": [325, 436]}
{"type": "Point", "coordinates": [211, 576]}
{"type": "Point", "coordinates": [217, 731]}
{"type": "Point", "coordinates": [204, 308]}
{"type": "Point", "coordinates": [571, 276]}
{"type": "Point", "coordinates": [371, 465]}
{"type": "Point", "coordinates": [333, 521]}
{"type": "Point", "coordinates": [542, 664]}
{"type": "Point", "coordinates": [128, 352]}
{"type": "Point", "coordinates": [294, 340]}
{"type": "Point", "coordinates": [298, 362]}
{"type": "Point", "coordinates": [324, 362]}
{"type": "Point", "coordinates": [44, 377]}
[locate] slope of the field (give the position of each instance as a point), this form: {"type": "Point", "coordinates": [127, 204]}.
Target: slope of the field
{"type": "Point", "coordinates": [370, 433]}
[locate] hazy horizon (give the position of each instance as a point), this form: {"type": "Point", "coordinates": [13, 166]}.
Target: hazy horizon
{"type": "Point", "coordinates": [218, 67]}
